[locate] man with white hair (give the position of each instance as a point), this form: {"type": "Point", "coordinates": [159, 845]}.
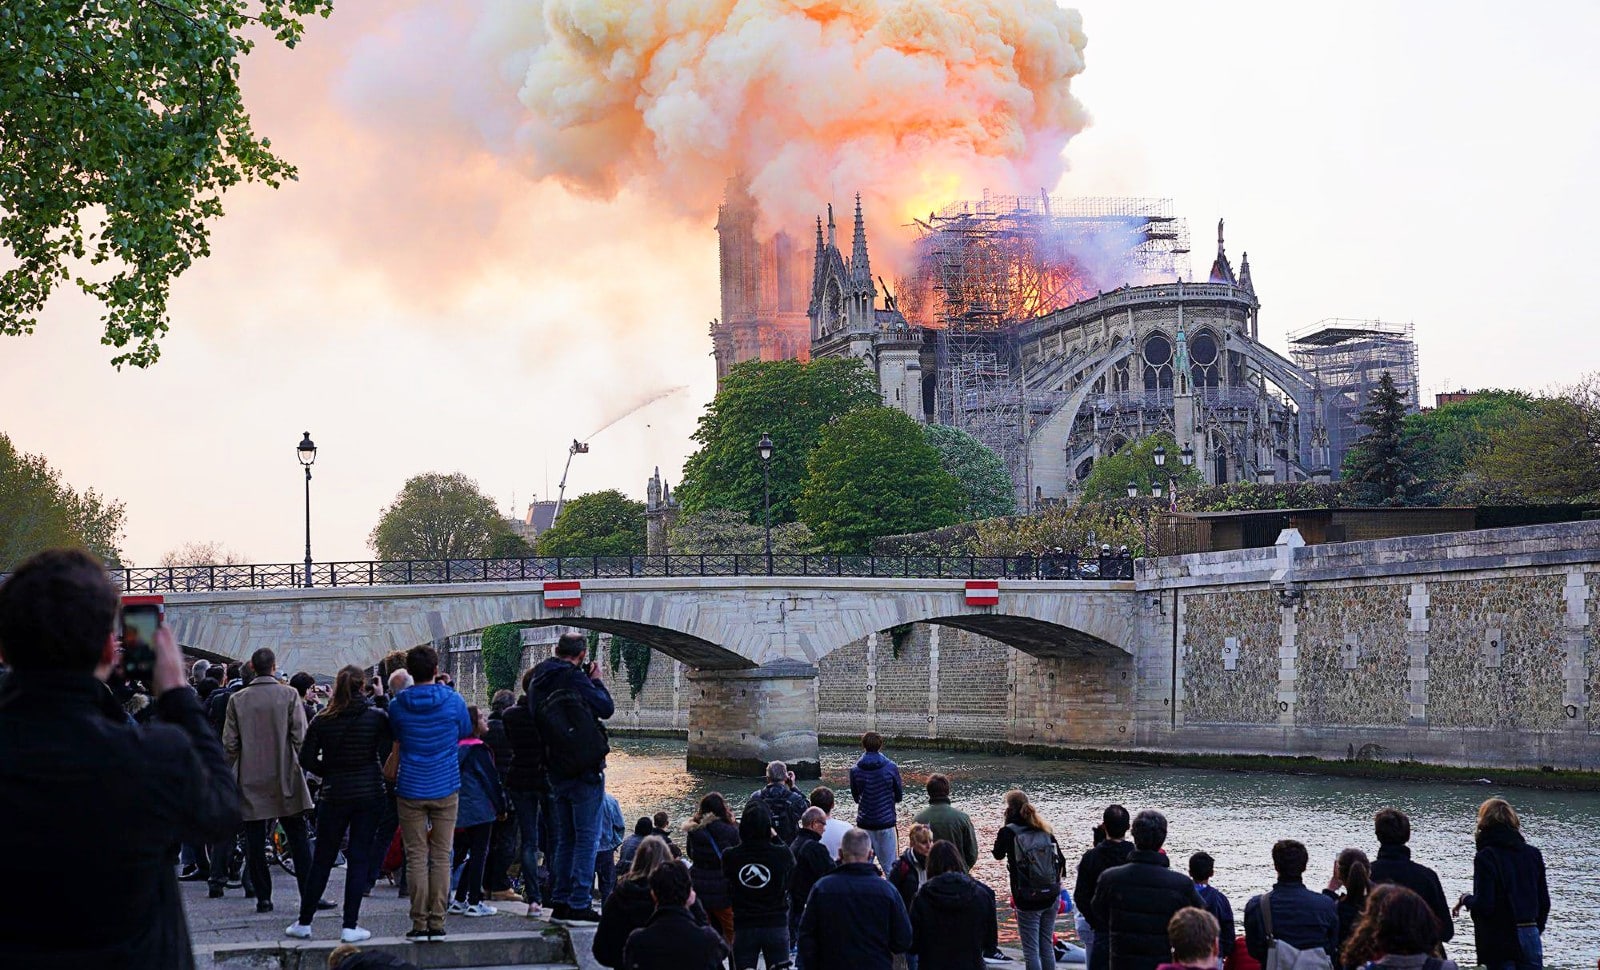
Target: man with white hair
{"type": "Point", "coordinates": [784, 803]}
{"type": "Point", "coordinates": [854, 918]}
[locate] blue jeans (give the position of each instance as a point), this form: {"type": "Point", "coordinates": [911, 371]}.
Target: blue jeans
{"type": "Point", "coordinates": [884, 847]}
{"type": "Point", "coordinates": [525, 805]}
{"type": "Point", "coordinates": [1037, 929]}
{"type": "Point", "coordinates": [1532, 951]}
{"type": "Point", "coordinates": [577, 839]}
{"type": "Point", "coordinates": [753, 942]}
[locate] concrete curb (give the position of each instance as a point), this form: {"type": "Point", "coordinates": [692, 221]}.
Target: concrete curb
{"type": "Point", "coordinates": [548, 946]}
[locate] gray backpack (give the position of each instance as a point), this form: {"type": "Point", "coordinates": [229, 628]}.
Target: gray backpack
{"type": "Point", "coordinates": [1282, 956]}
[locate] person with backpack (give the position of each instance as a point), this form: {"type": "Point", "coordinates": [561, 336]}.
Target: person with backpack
{"type": "Point", "coordinates": [953, 920]}
{"type": "Point", "coordinates": [569, 702]}
{"type": "Point", "coordinates": [1035, 865]}
{"type": "Point", "coordinates": [1110, 849]}
{"type": "Point", "coordinates": [1135, 901]}
{"type": "Point", "coordinates": [526, 787]}
{"type": "Point", "coordinates": [1351, 873]}
{"type": "Point", "coordinates": [709, 834]}
{"type": "Point", "coordinates": [783, 803]}
{"type": "Point", "coordinates": [1397, 931]}
{"type": "Point", "coordinates": [910, 871]}
{"type": "Point", "coordinates": [1510, 898]}
{"type": "Point", "coordinates": [758, 871]}
{"type": "Point", "coordinates": [875, 785]}
{"type": "Point", "coordinates": [1291, 919]}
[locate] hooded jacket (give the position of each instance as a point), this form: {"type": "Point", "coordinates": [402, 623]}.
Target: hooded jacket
{"type": "Point", "coordinates": [1508, 890]}
{"type": "Point", "coordinates": [628, 908]}
{"type": "Point", "coordinates": [482, 798]}
{"type": "Point", "coordinates": [1097, 860]}
{"type": "Point", "coordinates": [875, 785]}
{"type": "Point", "coordinates": [555, 674]}
{"type": "Point", "coordinates": [672, 940]}
{"type": "Point", "coordinates": [1135, 901]}
{"type": "Point", "coordinates": [346, 750]}
{"type": "Point", "coordinates": [953, 923]}
{"type": "Point", "coordinates": [706, 843]}
{"type": "Point", "coordinates": [1394, 864]}
{"type": "Point", "coordinates": [427, 720]}
{"type": "Point", "coordinates": [758, 870]}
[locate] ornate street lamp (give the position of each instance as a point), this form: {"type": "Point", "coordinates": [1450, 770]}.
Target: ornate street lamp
{"type": "Point", "coordinates": [1161, 455]}
{"type": "Point", "coordinates": [1133, 489]}
{"type": "Point", "coordinates": [1187, 455]}
{"type": "Point", "coordinates": [764, 448]}
{"type": "Point", "coordinates": [306, 451]}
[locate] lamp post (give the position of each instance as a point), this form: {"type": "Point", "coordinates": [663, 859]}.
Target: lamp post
{"type": "Point", "coordinates": [764, 447]}
{"type": "Point", "coordinates": [306, 451]}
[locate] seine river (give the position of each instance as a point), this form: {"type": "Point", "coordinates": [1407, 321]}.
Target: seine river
{"type": "Point", "coordinates": [1234, 816]}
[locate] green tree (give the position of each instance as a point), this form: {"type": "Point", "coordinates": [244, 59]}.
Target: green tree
{"type": "Point", "coordinates": [1136, 462]}
{"type": "Point", "coordinates": [501, 650]}
{"type": "Point", "coordinates": [597, 524]}
{"type": "Point", "coordinates": [39, 511]}
{"type": "Point", "coordinates": [121, 126]}
{"type": "Point", "coordinates": [723, 532]}
{"type": "Point", "coordinates": [984, 478]}
{"type": "Point", "coordinates": [873, 474]}
{"type": "Point", "coordinates": [1551, 453]}
{"type": "Point", "coordinates": [509, 545]}
{"type": "Point", "coordinates": [787, 399]}
{"type": "Point", "coordinates": [436, 516]}
{"type": "Point", "coordinates": [1077, 529]}
{"type": "Point", "coordinates": [1382, 460]}
{"type": "Point", "coordinates": [1447, 440]}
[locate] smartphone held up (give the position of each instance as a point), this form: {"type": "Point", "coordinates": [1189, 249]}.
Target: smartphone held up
{"type": "Point", "coordinates": [141, 617]}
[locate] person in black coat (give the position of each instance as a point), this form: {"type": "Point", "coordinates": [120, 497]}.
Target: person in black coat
{"type": "Point", "coordinates": [1510, 899]}
{"type": "Point", "coordinates": [526, 786]}
{"type": "Point", "coordinates": [1135, 901]}
{"type": "Point", "coordinates": [953, 922]}
{"type": "Point", "coordinates": [1111, 850]}
{"type": "Point", "coordinates": [82, 790]}
{"type": "Point", "coordinates": [1301, 918]}
{"type": "Point", "coordinates": [630, 904]}
{"type": "Point", "coordinates": [812, 861]}
{"type": "Point", "coordinates": [503, 836]}
{"type": "Point", "coordinates": [710, 833]}
{"type": "Point", "coordinates": [758, 871]}
{"type": "Point", "coordinates": [854, 918]}
{"type": "Point", "coordinates": [672, 940]}
{"type": "Point", "coordinates": [1352, 873]}
{"type": "Point", "coordinates": [1394, 865]}
{"type": "Point", "coordinates": [344, 746]}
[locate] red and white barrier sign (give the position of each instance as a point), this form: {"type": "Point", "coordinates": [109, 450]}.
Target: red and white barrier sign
{"type": "Point", "coordinates": [562, 594]}
{"type": "Point", "coordinates": [983, 592]}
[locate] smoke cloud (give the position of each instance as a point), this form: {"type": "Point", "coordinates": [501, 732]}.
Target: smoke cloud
{"type": "Point", "coordinates": [913, 103]}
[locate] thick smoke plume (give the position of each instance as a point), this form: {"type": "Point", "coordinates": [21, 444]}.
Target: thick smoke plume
{"type": "Point", "coordinates": [913, 103]}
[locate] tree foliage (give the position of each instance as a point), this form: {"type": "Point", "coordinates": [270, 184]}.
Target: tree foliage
{"type": "Point", "coordinates": [509, 545]}
{"type": "Point", "coordinates": [721, 532]}
{"type": "Point", "coordinates": [501, 651]}
{"type": "Point", "coordinates": [604, 523]}
{"type": "Point", "coordinates": [633, 658]}
{"type": "Point", "coordinates": [873, 473]}
{"type": "Point", "coordinates": [787, 399]}
{"type": "Point", "coordinates": [39, 511]}
{"type": "Point", "coordinates": [985, 481]}
{"type": "Point", "coordinates": [1551, 451]}
{"type": "Point", "coordinates": [1382, 460]}
{"type": "Point", "coordinates": [201, 553]}
{"type": "Point", "coordinates": [1446, 441]}
{"type": "Point", "coordinates": [1136, 462]}
{"type": "Point", "coordinates": [437, 516]}
{"type": "Point", "coordinates": [1077, 529]}
{"type": "Point", "coordinates": [121, 126]}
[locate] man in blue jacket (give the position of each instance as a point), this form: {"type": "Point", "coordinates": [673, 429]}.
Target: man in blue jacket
{"type": "Point", "coordinates": [853, 917]}
{"type": "Point", "coordinates": [875, 785]}
{"type": "Point", "coordinates": [1300, 917]}
{"type": "Point", "coordinates": [568, 702]}
{"type": "Point", "coordinates": [427, 720]}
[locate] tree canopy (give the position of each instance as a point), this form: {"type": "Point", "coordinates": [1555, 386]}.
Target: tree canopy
{"type": "Point", "coordinates": [39, 511]}
{"type": "Point", "coordinates": [1446, 441]}
{"type": "Point", "coordinates": [1136, 462]}
{"type": "Point", "coordinates": [202, 553]}
{"type": "Point", "coordinates": [1550, 451]}
{"type": "Point", "coordinates": [604, 523]}
{"type": "Point", "coordinates": [873, 473]}
{"type": "Point", "coordinates": [985, 481]}
{"type": "Point", "coordinates": [1383, 460]}
{"type": "Point", "coordinates": [724, 532]}
{"type": "Point", "coordinates": [121, 126]}
{"type": "Point", "coordinates": [437, 516]}
{"type": "Point", "coordinates": [787, 399]}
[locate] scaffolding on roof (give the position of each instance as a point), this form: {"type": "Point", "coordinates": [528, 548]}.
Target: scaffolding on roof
{"type": "Point", "coordinates": [1348, 358]}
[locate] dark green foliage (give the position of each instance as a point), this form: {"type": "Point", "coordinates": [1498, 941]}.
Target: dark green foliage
{"type": "Point", "coordinates": [597, 524]}
{"type": "Point", "coordinates": [1551, 452]}
{"type": "Point", "coordinates": [39, 511]}
{"type": "Point", "coordinates": [509, 545]}
{"type": "Point", "coordinates": [874, 474]}
{"type": "Point", "coordinates": [985, 481]}
{"type": "Point", "coordinates": [635, 658]}
{"type": "Point", "coordinates": [1135, 462]}
{"type": "Point", "coordinates": [787, 399]}
{"type": "Point", "coordinates": [436, 516]}
{"type": "Point", "coordinates": [1447, 440]}
{"type": "Point", "coordinates": [501, 651]}
{"type": "Point", "coordinates": [1382, 460]}
{"type": "Point", "coordinates": [121, 126]}
{"type": "Point", "coordinates": [898, 635]}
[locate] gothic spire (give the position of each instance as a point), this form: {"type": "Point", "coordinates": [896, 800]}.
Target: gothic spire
{"type": "Point", "coordinates": [1244, 274]}
{"type": "Point", "coordinates": [860, 268]}
{"type": "Point", "coordinates": [1221, 272]}
{"type": "Point", "coordinates": [832, 241]}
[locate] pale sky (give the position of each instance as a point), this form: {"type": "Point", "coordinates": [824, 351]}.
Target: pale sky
{"type": "Point", "coordinates": [418, 303]}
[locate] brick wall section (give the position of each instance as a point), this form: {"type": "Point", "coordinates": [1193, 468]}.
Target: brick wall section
{"type": "Point", "coordinates": [1497, 653]}
{"type": "Point", "coordinates": [903, 681]}
{"type": "Point", "coordinates": [1352, 661]}
{"type": "Point", "coordinates": [1247, 694]}
{"type": "Point", "coordinates": [1079, 701]}
{"type": "Point", "coordinates": [974, 686]}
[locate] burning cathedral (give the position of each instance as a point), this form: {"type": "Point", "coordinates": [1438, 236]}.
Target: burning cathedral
{"type": "Point", "coordinates": [1057, 331]}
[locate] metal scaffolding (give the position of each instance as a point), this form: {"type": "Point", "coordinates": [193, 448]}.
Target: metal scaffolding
{"type": "Point", "coordinates": [1348, 358]}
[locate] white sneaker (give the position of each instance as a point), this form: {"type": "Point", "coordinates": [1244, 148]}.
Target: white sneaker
{"type": "Point", "coordinates": [535, 911]}
{"type": "Point", "coordinates": [479, 909]}
{"type": "Point", "coordinates": [299, 931]}
{"type": "Point", "coordinates": [457, 908]}
{"type": "Point", "coordinates": [354, 935]}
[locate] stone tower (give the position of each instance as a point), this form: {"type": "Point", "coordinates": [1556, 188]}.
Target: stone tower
{"type": "Point", "coordinates": [764, 286]}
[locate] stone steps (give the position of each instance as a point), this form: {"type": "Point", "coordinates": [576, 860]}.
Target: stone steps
{"type": "Point", "coordinates": [546, 949]}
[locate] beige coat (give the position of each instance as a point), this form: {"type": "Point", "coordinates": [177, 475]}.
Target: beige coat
{"type": "Point", "coordinates": [266, 724]}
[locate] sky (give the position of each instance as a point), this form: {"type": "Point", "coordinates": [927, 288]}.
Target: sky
{"type": "Point", "coordinates": [422, 300]}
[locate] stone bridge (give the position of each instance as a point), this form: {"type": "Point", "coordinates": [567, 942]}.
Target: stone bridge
{"type": "Point", "coordinates": [753, 641]}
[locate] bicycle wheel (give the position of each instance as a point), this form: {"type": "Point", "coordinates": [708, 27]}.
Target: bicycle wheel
{"type": "Point", "coordinates": [278, 843]}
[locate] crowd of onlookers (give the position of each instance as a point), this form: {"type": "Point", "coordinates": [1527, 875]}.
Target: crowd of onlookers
{"type": "Point", "coordinates": [197, 774]}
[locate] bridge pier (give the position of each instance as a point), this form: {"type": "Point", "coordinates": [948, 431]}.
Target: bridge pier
{"type": "Point", "coordinates": [739, 720]}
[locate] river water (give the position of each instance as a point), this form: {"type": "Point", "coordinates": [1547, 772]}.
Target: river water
{"type": "Point", "coordinates": [1235, 816]}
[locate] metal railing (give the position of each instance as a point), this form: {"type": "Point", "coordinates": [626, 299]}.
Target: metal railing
{"type": "Point", "coordinates": [187, 579]}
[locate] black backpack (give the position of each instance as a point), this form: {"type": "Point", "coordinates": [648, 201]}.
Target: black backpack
{"type": "Point", "coordinates": [1036, 865]}
{"type": "Point", "coordinates": [575, 742]}
{"type": "Point", "coordinates": [784, 820]}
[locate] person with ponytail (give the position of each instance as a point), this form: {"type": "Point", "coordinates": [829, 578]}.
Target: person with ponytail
{"type": "Point", "coordinates": [1352, 872]}
{"type": "Point", "coordinates": [1034, 861]}
{"type": "Point", "coordinates": [345, 746]}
